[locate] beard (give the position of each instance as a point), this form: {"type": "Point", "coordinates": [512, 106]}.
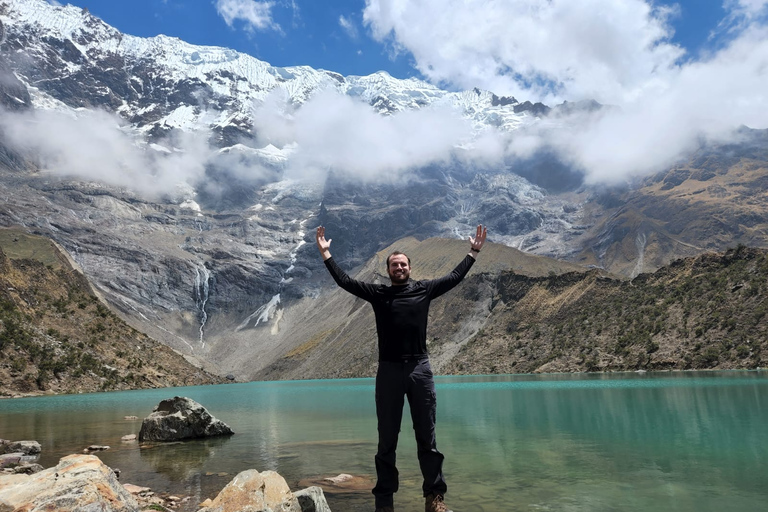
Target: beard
{"type": "Point", "coordinates": [400, 278]}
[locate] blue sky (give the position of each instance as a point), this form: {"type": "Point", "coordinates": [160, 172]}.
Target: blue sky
{"type": "Point", "coordinates": [332, 34]}
{"type": "Point", "coordinates": [304, 32]}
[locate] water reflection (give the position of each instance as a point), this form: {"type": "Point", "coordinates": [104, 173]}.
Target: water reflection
{"type": "Point", "coordinates": [182, 460]}
{"type": "Point", "coordinates": [693, 441]}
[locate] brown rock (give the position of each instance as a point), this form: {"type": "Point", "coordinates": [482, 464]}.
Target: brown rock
{"type": "Point", "coordinates": [10, 459]}
{"type": "Point", "coordinates": [135, 489]}
{"type": "Point", "coordinates": [254, 492]}
{"type": "Point", "coordinates": [78, 482]}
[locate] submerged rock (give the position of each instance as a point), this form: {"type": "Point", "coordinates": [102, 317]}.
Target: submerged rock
{"type": "Point", "coordinates": [340, 484]}
{"type": "Point", "coordinates": [77, 483]}
{"type": "Point", "coordinates": [181, 418]}
{"type": "Point", "coordinates": [95, 448]}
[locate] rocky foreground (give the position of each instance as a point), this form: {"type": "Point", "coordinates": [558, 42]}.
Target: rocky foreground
{"type": "Point", "coordinates": [80, 483]}
{"type": "Point", "coordinates": [85, 483]}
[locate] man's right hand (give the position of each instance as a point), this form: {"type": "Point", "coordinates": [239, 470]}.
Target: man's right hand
{"type": "Point", "coordinates": [323, 245]}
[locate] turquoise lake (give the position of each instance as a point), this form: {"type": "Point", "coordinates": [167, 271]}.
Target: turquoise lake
{"type": "Point", "coordinates": [671, 441]}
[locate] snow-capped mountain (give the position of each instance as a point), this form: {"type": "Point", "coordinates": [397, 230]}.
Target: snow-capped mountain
{"type": "Point", "coordinates": [163, 83]}
{"type": "Point", "coordinates": [208, 246]}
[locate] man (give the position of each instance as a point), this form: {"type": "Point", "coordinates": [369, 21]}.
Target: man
{"type": "Point", "coordinates": [401, 312]}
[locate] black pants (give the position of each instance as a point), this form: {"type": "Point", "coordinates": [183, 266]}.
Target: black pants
{"type": "Point", "coordinates": [393, 382]}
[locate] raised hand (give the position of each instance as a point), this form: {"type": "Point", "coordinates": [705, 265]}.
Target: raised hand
{"type": "Point", "coordinates": [478, 240]}
{"type": "Point", "coordinates": [323, 245]}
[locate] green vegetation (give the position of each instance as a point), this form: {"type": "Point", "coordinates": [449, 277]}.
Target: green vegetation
{"type": "Point", "coordinates": [56, 335]}
{"type": "Point", "coordinates": [704, 312]}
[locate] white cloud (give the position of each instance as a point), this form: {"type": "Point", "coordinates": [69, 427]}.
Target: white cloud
{"type": "Point", "coordinates": [612, 49]}
{"type": "Point", "coordinates": [349, 26]}
{"type": "Point", "coordinates": [336, 132]}
{"type": "Point", "coordinates": [96, 146]}
{"type": "Point", "coordinates": [748, 7]}
{"type": "Point", "coordinates": [706, 100]}
{"type": "Point", "coordinates": [256, 15]}
{"type": "Point", "coordinates": [615, 51]}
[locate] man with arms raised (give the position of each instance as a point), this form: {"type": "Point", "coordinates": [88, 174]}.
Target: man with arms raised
{"type": "Point", "coordinates": [401, 311]}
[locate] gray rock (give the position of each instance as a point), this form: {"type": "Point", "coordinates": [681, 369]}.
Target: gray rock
{"type": "Point", "coordinates": [25, 447]}
{"type": "Point", "coordinates": [181, 418]}
{"type": "Point", "coordinates": [10, 459]}
{"type": "Point", "coordinates": [312, 499]}
{"type": "Point", "coordinates": [27, 468]}
{"type": "Point", "coordinates": [95, 448]}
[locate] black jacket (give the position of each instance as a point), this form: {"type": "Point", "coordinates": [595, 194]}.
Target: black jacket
{"type": "Point", "coordinates": [401, 311]}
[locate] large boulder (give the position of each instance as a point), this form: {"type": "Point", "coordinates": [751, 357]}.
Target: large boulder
{"type": "Point", "coordinates": [180, 418]}
{"type": "Point", "coordinates": [251, 491]}
{"type": "Point", "coordinates": [79, 483]}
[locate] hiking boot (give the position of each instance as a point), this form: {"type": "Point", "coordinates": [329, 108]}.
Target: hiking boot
{"type": "Point", "coordinates": [434, 503]}
{"type": "Point", "coordinates": [385, 509]}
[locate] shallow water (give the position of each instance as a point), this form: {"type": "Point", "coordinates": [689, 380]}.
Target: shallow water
{"type": "Point", "coordinates": [680, 441]}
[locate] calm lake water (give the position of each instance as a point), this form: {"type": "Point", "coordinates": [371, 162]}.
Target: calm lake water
{"type": "Point", "coordinates": [687, 441]}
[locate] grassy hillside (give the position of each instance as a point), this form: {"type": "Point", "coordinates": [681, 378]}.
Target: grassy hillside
{"type": "Point", "coordinates": [56, 336]}
{"type": "Point", "coordinates": [704, 312]}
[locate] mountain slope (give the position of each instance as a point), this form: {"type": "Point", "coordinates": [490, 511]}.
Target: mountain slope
{"type": "Point", "coordinates": [57, 336]}
{"type": "Point", "coordinates": [706, 312]}
{"type": "Point", "coordinates": [714, 201]}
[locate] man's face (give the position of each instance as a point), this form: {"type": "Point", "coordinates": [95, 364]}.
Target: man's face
{"type": "Point", "coordinates": [399, 270]}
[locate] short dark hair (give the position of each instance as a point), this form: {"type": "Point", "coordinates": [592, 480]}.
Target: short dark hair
{"type": "Point", "coordinates": [397, 253]}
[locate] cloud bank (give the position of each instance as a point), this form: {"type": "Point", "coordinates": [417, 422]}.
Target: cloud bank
{"type": "Point", "coordinates": [663, 102]}
{"type": "Point", "coordinates": [98, 146]}
{"type": "Point", "coordinates": [618, 52]}
{"type": "Point", "coordinates": [332, 131]}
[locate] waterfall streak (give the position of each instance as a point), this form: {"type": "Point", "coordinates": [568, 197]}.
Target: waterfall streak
{"type": "Point", "coordinates": [202, 288]}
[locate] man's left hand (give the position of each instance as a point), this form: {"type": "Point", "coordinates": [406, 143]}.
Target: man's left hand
{"type": "Point", "coordinates": [478, 240]}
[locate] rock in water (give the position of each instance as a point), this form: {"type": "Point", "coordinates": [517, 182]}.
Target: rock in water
{"type": "Point", "coordinates": [25, 447]}
{"type": "Point", "coordinates": [78, 483]}
{"type": "Point", "coordinates": [180, 418]}
{"type": "Point", "coordinates": [254, 492]}
{"type": "Point", "coordinates": [312, 499]}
